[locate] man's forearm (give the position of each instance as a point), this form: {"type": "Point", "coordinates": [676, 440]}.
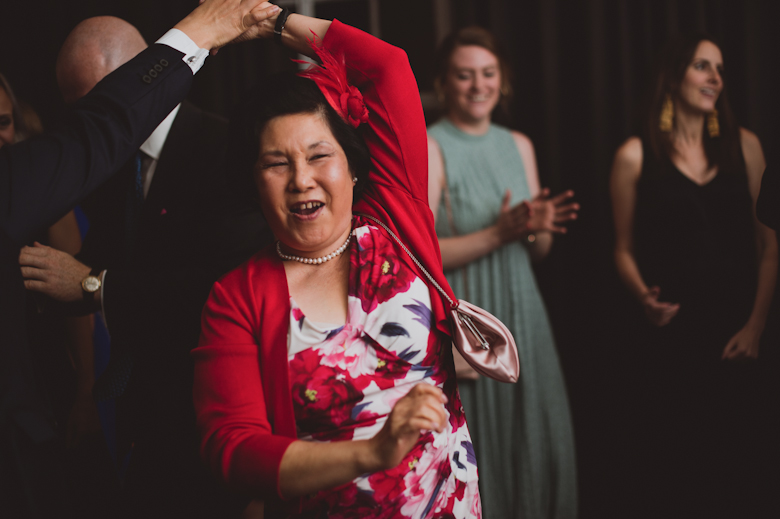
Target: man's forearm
{"type": "Point", "coordinates": [50, 174]}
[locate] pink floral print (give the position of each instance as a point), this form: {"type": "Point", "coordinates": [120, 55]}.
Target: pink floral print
{"type": "Point", "coordinates": [345, 379]}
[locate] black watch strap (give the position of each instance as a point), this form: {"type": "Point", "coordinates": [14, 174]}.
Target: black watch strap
{"type": "Point", "coordinates": [281, 20]}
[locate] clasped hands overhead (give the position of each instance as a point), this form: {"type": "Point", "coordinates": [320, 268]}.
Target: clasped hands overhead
{"type": "Point", "coordinates": [216, 23]}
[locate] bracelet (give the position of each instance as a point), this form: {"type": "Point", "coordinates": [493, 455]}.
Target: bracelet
{"type": "Point", "coordinates": [281, 20]}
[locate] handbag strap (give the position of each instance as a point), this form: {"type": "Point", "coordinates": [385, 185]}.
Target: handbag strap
{"type": "Point", "coordinates": [448, 206]}
{"type": "Point", "coordinates": [453, 230]}
{"type": "Point", "coordinates": [416, 261]}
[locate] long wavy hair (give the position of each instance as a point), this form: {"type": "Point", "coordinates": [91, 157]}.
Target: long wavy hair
{"type": "Point", "coordinates": [723, 151]}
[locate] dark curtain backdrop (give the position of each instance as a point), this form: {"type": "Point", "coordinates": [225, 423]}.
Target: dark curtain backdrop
{"type": "Point", "coordinates": [580, 70]}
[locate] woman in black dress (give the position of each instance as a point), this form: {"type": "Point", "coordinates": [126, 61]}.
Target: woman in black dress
{"type": "Point", "coordinates": [690, 250]}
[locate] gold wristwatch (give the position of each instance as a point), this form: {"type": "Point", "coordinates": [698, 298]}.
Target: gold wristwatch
{"type": "Point", "coordinates": [91, 284]}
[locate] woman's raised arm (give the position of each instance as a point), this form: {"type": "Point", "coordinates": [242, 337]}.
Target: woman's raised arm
{"type": "Point", "coordinates": [298, 32]}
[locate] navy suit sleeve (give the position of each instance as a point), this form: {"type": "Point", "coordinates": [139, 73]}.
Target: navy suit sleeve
{"type": "Point", "coordinates": [44, 177]}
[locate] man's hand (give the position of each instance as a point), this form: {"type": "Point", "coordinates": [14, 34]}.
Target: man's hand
{"type": "Point", "coordinates": [215, 23]}
{"type": "Point", "coordinates": [52, 272]}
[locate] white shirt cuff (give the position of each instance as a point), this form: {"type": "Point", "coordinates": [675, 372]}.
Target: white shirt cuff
{"type": "Point", "coordinates": [102, 305]}
{"type": "Point", "coordinates": [194, 56]}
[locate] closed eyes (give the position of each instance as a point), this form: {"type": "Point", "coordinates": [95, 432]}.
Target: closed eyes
{"type": "Point", "coordinates": [313, 158]}
{"type": "Point", "coordinates": [272, 165]}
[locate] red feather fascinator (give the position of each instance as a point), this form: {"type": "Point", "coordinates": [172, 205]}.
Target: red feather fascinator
{"type": "Point", "coordinates": [331, 78]}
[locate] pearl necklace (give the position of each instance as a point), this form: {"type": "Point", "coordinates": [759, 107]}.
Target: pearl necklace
{"type": "Point", "coordinates": [313, 261]}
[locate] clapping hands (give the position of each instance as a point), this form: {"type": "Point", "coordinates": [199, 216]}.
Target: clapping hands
{"type": "Point", "coordinates": [547, 214]}
{"type": "Point", "coordinates": [540, 214]}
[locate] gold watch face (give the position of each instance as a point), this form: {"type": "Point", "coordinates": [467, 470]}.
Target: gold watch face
{"type": "Point", "coordinates": [90, 284]}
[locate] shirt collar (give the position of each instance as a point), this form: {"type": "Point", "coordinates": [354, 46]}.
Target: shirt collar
{"type": "Point", "coordinates": [154, 144]}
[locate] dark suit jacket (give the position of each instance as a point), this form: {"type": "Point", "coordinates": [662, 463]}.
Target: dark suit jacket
{"type": "Point", "coordinates": [191, 231]}
{"type": "Point", "coordinates": [40, 180]}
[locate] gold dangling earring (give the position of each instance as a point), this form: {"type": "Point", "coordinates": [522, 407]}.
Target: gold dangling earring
{"type": "Point", "coordinates": [713, 126]}
{"type": "Point", "coordinates": [666, 120]}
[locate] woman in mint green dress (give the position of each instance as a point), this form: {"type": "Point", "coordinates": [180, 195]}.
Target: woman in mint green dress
{"type": "Point", "coordinates": [493, 220]}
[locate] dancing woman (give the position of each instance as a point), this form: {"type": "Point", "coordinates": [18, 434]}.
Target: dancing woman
{"type": "Point", "coordinates": [324, 382]}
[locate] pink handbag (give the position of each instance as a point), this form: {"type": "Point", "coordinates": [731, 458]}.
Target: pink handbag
{"type": "Point", "coordinates": [482, 340]}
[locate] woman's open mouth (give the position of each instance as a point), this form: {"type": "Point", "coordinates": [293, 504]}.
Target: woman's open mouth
{"type": "Point", "coordinates": [306, 209]}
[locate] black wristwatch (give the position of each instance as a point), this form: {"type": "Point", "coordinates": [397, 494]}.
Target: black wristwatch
{"type": "Point", "coordinates": [91, 284]}
{"type": "Point", "coordinates": [281, 20]}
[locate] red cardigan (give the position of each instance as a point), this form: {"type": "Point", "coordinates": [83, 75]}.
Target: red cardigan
{"type": "Point", "coordinates": [242, 392]}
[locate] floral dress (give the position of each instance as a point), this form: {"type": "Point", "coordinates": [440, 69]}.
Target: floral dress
{"type": "Point", "coordinates": [346, 379]}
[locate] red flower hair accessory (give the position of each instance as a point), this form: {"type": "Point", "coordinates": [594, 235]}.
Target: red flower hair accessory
{"type": "Point", "coordinates": [331, 78]}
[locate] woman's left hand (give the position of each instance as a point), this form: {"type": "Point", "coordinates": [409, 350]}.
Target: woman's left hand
{"type": "Point", "coordinates": [547, 214]}
{"type": "Point", "coordinates": [744, 345]}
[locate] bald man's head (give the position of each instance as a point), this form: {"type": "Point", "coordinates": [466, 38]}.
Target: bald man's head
{"type": "Point", "coordinates": [96, 47]}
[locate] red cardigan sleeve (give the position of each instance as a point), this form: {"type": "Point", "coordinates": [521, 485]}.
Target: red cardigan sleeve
{"type": "Point", "coordinates": [397, 139]}
{"type": "Point", "coordinates": [397, 191]}
{"type": "Point", "coordinates": [244, 413]}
